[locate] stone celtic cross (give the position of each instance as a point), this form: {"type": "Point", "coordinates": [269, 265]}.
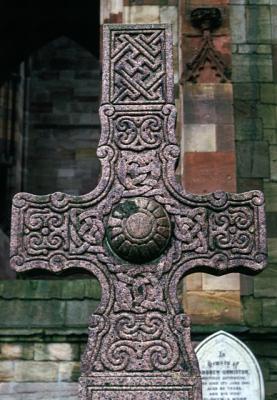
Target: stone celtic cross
{"type": "Point", "coordinates": [139, 232]}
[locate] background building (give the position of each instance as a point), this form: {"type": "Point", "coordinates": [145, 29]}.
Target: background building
{"type": "Point", "coordinates": [226, 95]}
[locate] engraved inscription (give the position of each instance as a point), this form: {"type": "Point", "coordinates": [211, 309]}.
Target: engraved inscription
{"type": "Point", "coordinates": [229, 370]}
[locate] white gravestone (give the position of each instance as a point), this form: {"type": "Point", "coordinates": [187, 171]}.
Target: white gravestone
{"type": "Point", "coordinates": [229, 370]}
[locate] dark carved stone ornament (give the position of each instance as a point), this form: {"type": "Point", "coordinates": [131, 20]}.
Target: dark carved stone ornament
{"type": "Point", "coordinates": [139, 232]}
{"type": "Point", "coordinates": [207, 20]}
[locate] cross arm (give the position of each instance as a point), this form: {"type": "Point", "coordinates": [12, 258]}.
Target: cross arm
{"type": "Point", "coordinates": [58, 232]}
{"type": "Point", "coordinates": [219, 232]}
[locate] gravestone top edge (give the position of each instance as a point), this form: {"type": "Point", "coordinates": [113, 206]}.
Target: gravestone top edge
{"type": "Point", "coordinates": [232, 340]}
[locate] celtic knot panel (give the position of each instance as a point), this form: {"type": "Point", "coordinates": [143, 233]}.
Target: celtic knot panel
{"type": "Point", "coordinates": [233, 230]}
{"type": "Point", "coordinates": [138, 132]}
{"type": "Point", "coordinates": [137, 67]}
{"type": "Point", "coordinates": [44, 231]}
{"type": "Point", "coordinates": [139, 293]}
{"type": "Point", "coordinates": [140, 343]}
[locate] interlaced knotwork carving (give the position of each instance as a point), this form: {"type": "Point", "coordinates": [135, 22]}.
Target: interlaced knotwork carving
{"type": "Point", "coordinates": [85, 230]}
{"type": "Point", "coordinates": [138, 67]}
{"type": "Point", "coordinates": [191, 229]}
{"type": "Point", "coordinates": [139, 293]}
{"type": "Point", "coordinates": [139, 172]}
{"type": "Point", "coordinates": [138, 232]}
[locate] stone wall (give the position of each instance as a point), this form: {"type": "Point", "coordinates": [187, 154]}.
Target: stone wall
{"type": "Point", "coordinates": [208, 143]}
{"type": "Point", "coordinates": [42, 336]}
{"type": "Point", "coordinates": [11, 141]}
{"type": "Point", "coordinates": [64, 126]}
{"type": "Point", "coordinates": [11, 155]}
{"type": "Point", "coordinates": [254, 36]}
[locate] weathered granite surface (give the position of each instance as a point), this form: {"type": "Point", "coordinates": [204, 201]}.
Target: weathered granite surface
{"type": "Point", "coordinates": [139, 232]}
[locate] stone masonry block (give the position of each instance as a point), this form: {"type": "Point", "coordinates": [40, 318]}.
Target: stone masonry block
{"type": "Point", "coordinates": [274, 20]}
{"type": "Point", "coordinates": [247, 184]}
{"type": "Point", "coordinates": [33, 371]}
{"type": "Point", "coordinates": [141, 15]}
{"type": "Point", "coordinates": [227, 282]}
{"type": "Point", "coordinates": [209, 171]}
{"type": "Point", "coordinates": [271, 223]}
{"type": "Point", "coordinates": [50, 289]}
{"type": "Point", "coordinates": [81, 289]}
{"type": "Point", "coordinates": [22, 314]}
{"type": "Point", "coordinates": [246, 91]}
{"type": "Point", "coordinates": [212, 307]}
{"type": "Point", "coordinates": [258, 24]}
{"type": "Point", "coordinates": [44, 314]}
{"type": "Point", "coordinates": [39, 391]}
{"type": "Point", "coordinates": [252, 67]}
{"type": "Point", "coordinates": [268, 114]}
{"type": "Point", "coordinates": [273, 162]}
{"type": "Point", "coordinates": [56, 351]}
{"type": "Point", "coordinates": [253, 159]}
{"type": "Point", "coordinates": [272, 250]}
{"type": "Point", "coordinates": [7, 371]}
{"type": "Point", "coordinates": [247, 128]}
{"type": "Point", "coordinates": [16, 351]}
{"type": "Point", "coordinates": [168, 15]}
{"type": "Point", "coordinates": [270, 190]}
{"type": "Point", "coordinates": [269, 93]}
{"type": "Point", "coordinates": [265, 285]}
{"type": "Point", "coordinates": [193, 282]}
{"type": "Point", "coordinates": [252, 311]}
{"type": "Point", "coordinates": [78, 312]}
{"type": "Point", "coordinates": [270, 312]}
{"type": "Point", "coordinates": [237, 23]}
{"type": "Point", "coordinates": [225, 137]}
{"type": "Point", "coordinates": [270, 135]}
{"type": "Point", "coordinates": [200, 137]}
{"type": "Point", "coordinates": [69, 371]}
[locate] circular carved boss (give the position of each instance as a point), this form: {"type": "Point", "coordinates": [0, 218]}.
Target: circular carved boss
{"type": "Point", "coordinates": [138, 230]}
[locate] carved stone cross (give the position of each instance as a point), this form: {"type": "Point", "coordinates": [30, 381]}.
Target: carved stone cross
{"type": "Point", "coordinates": [139, 232]}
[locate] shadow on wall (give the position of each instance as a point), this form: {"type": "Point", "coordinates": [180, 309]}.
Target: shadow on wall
{"type": "Point", "coordinates": [63, 127]}
{"type": "Point", "coordinates": [5, 271]}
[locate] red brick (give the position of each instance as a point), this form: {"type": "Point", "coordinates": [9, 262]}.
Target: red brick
{"type": "Point", "coordinates": [223, 45]}
{"type": "Point", "coordinates": [116, 18]}
{"type": "Point", "coordinates": [206, 172]}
